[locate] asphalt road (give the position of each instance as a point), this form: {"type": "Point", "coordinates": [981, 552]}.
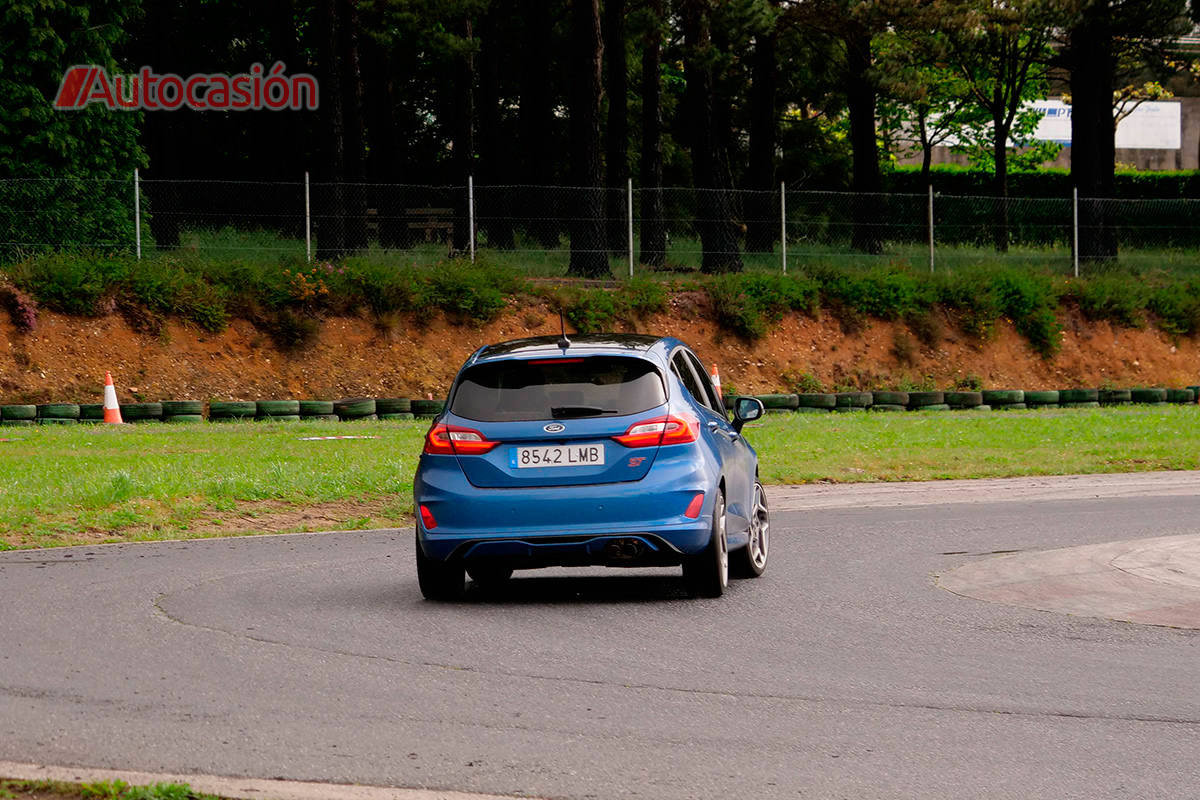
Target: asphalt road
{"type": "Point", "coordinates": [844, 672]}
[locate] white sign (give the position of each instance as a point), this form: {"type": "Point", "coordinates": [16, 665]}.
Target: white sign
{"type": "Point", "coordinates": [1150, 126]}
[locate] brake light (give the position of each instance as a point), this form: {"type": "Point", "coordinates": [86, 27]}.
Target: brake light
{"type": "Point", "coordinates": [447, 440]}
{"type": "Point", "coordinates": [557, 361]}
{"type": "Point", "coordinates": [671, 429]}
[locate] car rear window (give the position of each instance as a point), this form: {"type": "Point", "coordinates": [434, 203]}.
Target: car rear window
{"type": "Point", "coordinates": [558, 388]}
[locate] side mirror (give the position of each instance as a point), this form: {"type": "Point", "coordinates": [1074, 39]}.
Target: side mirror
{"type": "Point", "coordinates": [746, 409]}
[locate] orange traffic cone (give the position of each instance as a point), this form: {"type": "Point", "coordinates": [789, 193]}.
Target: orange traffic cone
{"type": "Point", "coordinates": [716, 378]}
{"type": "Point", "coordinates": [112, 411]}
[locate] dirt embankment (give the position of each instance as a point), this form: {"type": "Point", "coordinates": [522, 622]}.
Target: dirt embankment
{"type": "Point", "coordinates": [65, 358]}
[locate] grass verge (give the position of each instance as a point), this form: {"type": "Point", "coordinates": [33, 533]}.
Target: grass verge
{"type": "Point", "coordinates": [62, 486]}
{"type": "Point", "coordinates": [106, 790]}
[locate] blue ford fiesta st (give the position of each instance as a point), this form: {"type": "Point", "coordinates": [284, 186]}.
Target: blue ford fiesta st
{"type": "Point", "coordinates": [608, 449]}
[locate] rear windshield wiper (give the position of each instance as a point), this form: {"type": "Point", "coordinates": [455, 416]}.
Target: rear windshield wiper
{"type": "Point", "coordinates": [559, 412]}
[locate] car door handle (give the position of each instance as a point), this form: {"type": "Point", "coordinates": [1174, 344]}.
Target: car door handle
{"type": "Point", "coordinates": [715, 426]}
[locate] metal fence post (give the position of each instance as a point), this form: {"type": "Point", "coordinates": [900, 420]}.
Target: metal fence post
{"type": "Point", "coordinates": [137, 213]}
{"type": "Point", "coordinates": [783, 224]}
{"type": "Point", "coordinates": [1075, 228]}
{"type": "Point", "coordinates": [307, 221]}
{"type": "Point", "coordinates": [629, 218]}
{"type": "Point", "coordinates": [471, 215]}
{"type": "Point", "coordinates": [931, 227]}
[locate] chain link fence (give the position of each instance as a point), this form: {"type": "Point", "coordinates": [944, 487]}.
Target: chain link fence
{"type": "Point", "coordinates": [542, 229]}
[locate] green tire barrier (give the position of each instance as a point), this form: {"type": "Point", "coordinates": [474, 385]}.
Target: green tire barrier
{"type": "Point", "coordinates": [922, 399]}
{"type": "Point", "coordinates": [783, 401]}
{"type": "Point", "coordinates": [354, 408]}
{"type": "Point", "coordinates": [854, 399]}
{"type": "Point", "coordinates": [16, 423]}
{"type": "Point", "coordinates": [392, 405]}
{"type": "Point", "coordinates": [367, 418]}
{"type": "Point", "coordinates": [812, 410]}
{"type": "Point", "coordinates": [91, 412]}
{"type": "Point", "coordinates": [141, 412]}
{"type": "Point", "coordinates": [398, 415]}
{"type": "Point", "coordinates": [175, 408]}
{"type": "Point", "coordinates": [320, 418]}
{"type": "Point", "coordinates": [1003, 397]}
{"type": "Point", "coordinates": [888, 407]}
{"type": "Point", "coordinates": [277, 408]}
{"type": "Point", "coordinates": [816, 400]}
{"type": "Point", "coordinates": [1148, 395]}
{"type": "Point", "coordinates": [431, 408]}
{"type": "Point", "coordinates": [178, 418]}
{"type": "Point", "coordinates": [56, 421]}
{"type": "Point", "coordinates": [1012, 407]}
{"type": "Point", "coordinates": [1195, 393]}
{"type": "Point", "coordinates": [847, 409]}
{"type": "Point", "coordinates": [1042, 398]}
{"type": "Point", "coordinates": [231, 409]}
{"type": "Point", "coordinates": [980, 408]}
{"type": "Point", "coordinates": [279, 418]}
{"type": "Point", "coordinates": [1040, 406]}
{"type": "Point", "coordinates": [18, 413]}
{"type": "Point", "coordinates": [316, 408]}
{"type": "Point", "coordinates": [964, 399]}
{"type": "Point", "coordinates": [1112, 397]}
{"type": "Point", "coordinates": [58, 411]}
{"type": "Point", "coordinates": [1081, 404]}
{"type": "Point", "coordinates": [889, 398]}
{"type": "Point", "coordinates": [933, 407]}
{"type": "Point", "coordinates": [1180, 396]}
{"type": "Point", "coordinates": [1077, 396]}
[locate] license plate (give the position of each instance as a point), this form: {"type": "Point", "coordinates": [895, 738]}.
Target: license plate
{"type": "Point", "coordinates": [575, 455]}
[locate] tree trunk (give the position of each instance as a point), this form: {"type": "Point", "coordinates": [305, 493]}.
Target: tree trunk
{"type": "Point", "coordinates": [493, 204]}
{"type": "Point", "coordinates": [714, 207]}
{"type": "Point", "coordinates": [653, 227]}
{"type": "Point", "coordinates": [352, 111]}
{"type": "Point", "coordinates": [1093, 145]}
{"type": "Point", "coordinates": [761, 224]}
{"type": "Point", "coordinates": [616, 159]}
{"type": "Point", "coordinates": [536, 121]}
{"type": "Point", "coordinates": [329, 206]}
{"type": "Point", "coordinates": [866, 182]}
{"type": "Point", "coordinates": [464, 140]}
{"type": "Point", "coordinates": [589, 255]}
{"type": "Point", "coordinates": [1000, 185]}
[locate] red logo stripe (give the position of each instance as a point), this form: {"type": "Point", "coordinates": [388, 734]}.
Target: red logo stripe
{"type": "Point", "coordinates": [74, 87]}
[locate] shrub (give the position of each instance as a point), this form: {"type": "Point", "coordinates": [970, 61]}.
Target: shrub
{"type": "Point", "coordinates": [1112, 298]}
{"type": "Point", "coordinates": [643, 296]}
{"type": "Point", "coordinates": [1177, 306]}
{"type": "Point", "coordinates": [887, 293]}
{"type": "Point", "coordinates": [745, 303]}
{"type": "Point", "coordinates": [21, 308]}
{"type": "Point", "coordinates": [591, 310]}
{"type": "Point", "coordinates": [72, 283]}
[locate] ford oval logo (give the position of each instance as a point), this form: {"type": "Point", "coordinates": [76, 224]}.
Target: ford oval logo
{"type": "Point", "coordinates": [554, 427]}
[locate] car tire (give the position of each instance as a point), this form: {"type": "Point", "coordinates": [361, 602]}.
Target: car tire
{"type": "Point", "coordinates": [751, 560]}
{"type": "Point", "coordinates": [706, 574]}
{"type": "Point", "coordinates": [489, 576]}
{"type": "Point", "coordinates": [438, 580]}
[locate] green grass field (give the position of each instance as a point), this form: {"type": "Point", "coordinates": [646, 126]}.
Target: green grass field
{"type": "Point", "coordinates": [74, 485]}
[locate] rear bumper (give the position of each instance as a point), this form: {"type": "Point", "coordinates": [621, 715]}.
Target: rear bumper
{"type": "Point", "coordinates": [564, 525]}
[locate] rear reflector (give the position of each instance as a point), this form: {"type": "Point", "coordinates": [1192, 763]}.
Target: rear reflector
{"type": "Point", "coordinates": [446, 440]}
{"type": "Point", "coordinates": [693, 509]}
{"type": "Point", "coordinates": [427, 518]}
{"type": "Point", "coordinates": [671, 429]}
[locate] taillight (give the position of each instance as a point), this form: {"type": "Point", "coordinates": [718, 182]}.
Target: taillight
{"type": "Point", "coordinates": [427, 518]}
{"type": "Point", "coordinates": [671, 429]}
{"type": "Point", "coordinates": [447, 440]}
